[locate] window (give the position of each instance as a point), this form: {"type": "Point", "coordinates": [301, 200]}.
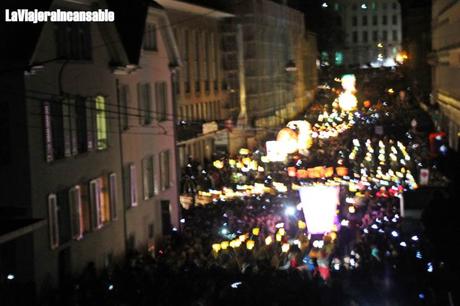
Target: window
{"type": "Point", "coordinates": [385, 36]}
{"type": "Point", "coordinates": [64, 217]}
{"type": "Point", "coordinates": [76, 214]}
{"type": "Point", "coordinates": [364, 20]}
{"type": "Point", "coordinates": [384, 6]}
{"type": "Point", "coordinates": [375, 36]}
{"type": "Point", "coordinates": [336, 6]}
{"type": "Point", "coordinates": [354, 21]}
{"type": "Point", "coordinates": [394, 5]}
{"type": "Point", "coordinates": [186, 57]}
{"type": "Point", "coordinates": [374, 20]}
{"type": "Point", "coordinates": [161, 100]}
{"type": "Point", "coordinates": [206, 47]}
{"type": "Point", "coordinates": [148, 177]}
{"type": "Point", "coordinates": [145, 104]}
{"type": "Point", "coordinates": [101, 123]}
{"type": "Point", "coordinates": [384, 20]}
{"type": "Point", "coordinates": [73, 41]}
{"type": "Point", "coordinates": [395, 35]}
{"type": "Point", "coordinates": [5, 133]}
{"type": "Point", "coordinates": [53, 221]}
{"type": "Point", "coordinates": [196, 62]}
{"type": "Point", "coordinates": [365, 38]}
{"type": "Point", "coordinates": [150, 37]}
{"type": "Point", "coordinates": [355, 37]}
{"type": "Point", "coordinates": [84, 125]}
{"type": "Point", "coordinates": [394, 19]}
{"type": "Point", "coordinates": [113, 196]}
{"type": "Point", "coordinates": [85, 208]}
{"type": "Point", "coordinates": [99, 200]}
{"type": "Point", "coordinates": [132, 185]}
{"type": "Point", "coordinates": [353, 6]}
{"type": "Point", "coordinates": [124, 103]}
{"type": "Point", "coordinates": [165, 170]}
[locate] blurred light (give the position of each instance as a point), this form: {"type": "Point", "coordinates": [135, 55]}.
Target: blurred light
{"type": "Point", "coordinates": [429, 267]}
{"type": "Point", "coordinates": [235, 285]}
{"type": "Point", "coordinates": [216, 247]}
{"type": "Point", "coordinates": [290, 211]}
{"type": "Point", "coordinates": [10, 276]}
{"type": "Point", "coordinates": [418, 255]}
{"type": "Point", "coordinates": [224, 245]}
{"type": "Point", "coordinates": [268, 240]}
{"type": "Point", "coordinates": [224, 231]}
{"type": "Point", "coordinates": [374, 226]}
{"type": "Point", "coordinates": [301, 224]}
{"type": "Point", "coordinates": [279, 225]}
{"type": "Point", "coordinates": [255, 231]}
{"type": "Point", "coordinates": [282, 232]}
{"type": "Point", "coordinates": [324, 5]}
{"type": "Point", "coordinates": [363, 6]}
{"type": "Point", "coordinates": [403, 244]}
{"type": "Point", "coordinates": [174, 229]}
{"type": "Point", "coordinates": [414, 238]}
{"type": "Point", "coordinates": [421, 296]}
{"type": "Point", "coordinates": [344, 222]}
{"type": "Point", "coordinates": [394, 234]}
{"type": "Point", "coordinates": [182, 220]}
{"type": "Point", "coordinates": [110, 287]}
{"type": "Point", "coordinates": [285, 247]}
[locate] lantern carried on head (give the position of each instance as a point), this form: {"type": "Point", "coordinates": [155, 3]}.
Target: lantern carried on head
{"type": "Point", "coordinates": [288, 139]}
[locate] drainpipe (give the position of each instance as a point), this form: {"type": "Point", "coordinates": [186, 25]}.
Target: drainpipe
{"type": "Point", "coordinates": [120, 139]}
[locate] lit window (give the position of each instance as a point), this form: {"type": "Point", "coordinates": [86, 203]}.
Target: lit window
{"type": "Point", "coordinates": [101, 123]}
{"type": "Point", "coordinates": [53, 221]}
{"type": "Point", "coordinates": [148, 177]}
{"type": "Point", "coordinates": [113, 196]}
{"type": "Point", "coordinates": [76, 213]}
{"type": "Point", "coordinates": [165, 170]}
{"type": "Point", "coordinates": [132, 185]}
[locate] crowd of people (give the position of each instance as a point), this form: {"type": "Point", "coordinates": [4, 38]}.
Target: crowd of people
{"type": "Point", "coordinates": [256, 249]}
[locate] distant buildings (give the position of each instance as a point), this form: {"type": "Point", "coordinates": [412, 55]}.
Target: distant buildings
{"type": "Point", "coordinates": [445, 62]}
{"type": "Point", "coordinates": [372, 31]}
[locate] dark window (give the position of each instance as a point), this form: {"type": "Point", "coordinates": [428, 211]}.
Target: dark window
{"type": "Point", "coordinates": [161, 99]}
{"type": "Point", "coordinates": [73, 41]}
{"type": "Point", "coordinates": [384, 20]}
{"type": "Point", "coordinates": [353, 6]}
{"type": "Point", "coordinates": [384, 6]}
{"type": "Point", "coordinates": [394, 19]}
{"type": "Point", "coordinates": [64, 218]}
{"type": "Point", "coordinates": [394, 5]}
{"type": "Point", "coordinates": [375, 36]}
{"type": "Point", "coordinates": [124, 103]}
{"type": "Point", "coordinates": [150, 37]}
{"type": "Point", "coordinates": [354, 21]}
{"type": "Point", "coordinates": [384, 36]}
{"type": "Point", "coordinates": [355, 37]}
{"type": "Point", "coordinates": [365, 38]}
{"type": "Point", "coordinates": [165, 217]}
{"type": "Point", "coordinates": [364, 20]}
{"type": "Point", "coordinates": [395, 35]}
{"type": "Point", "coordinates": [374, 20]}
{"type": "Point", "coordinates": [81, 113]}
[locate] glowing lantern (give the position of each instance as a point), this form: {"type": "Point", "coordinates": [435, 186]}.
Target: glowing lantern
{"type": "Point", "coordinates": [288, 139]}
{"type": "Point", "coordinates": [235, 243]}
{"type": "Point", "coordinates": [218, 164]}
{"type": "Point", "coordinates": [341, 171]}
{"type": "Point", "coordinates": [367, 104]}
{"type": "Point", "coordinates": [250, 244]}
{"type": "Point", "coordinates": [216, 247]}
{"type": "Point", "coordinates": [347, 101]}
{"type": "Point", "coordinates": [224, 245]}
{"type": "Point", "coordinates": [301, 224]}
{"type": "Point", "coordinates": [242, 238]}
{"type": "Point", "coordinates": [348, 82]}
{"type": "Point", "coordinates": [302, 173]}
{"type": "Point", "coordinates": [285, 247]}
{"type": "Point", "coordinates": [281, 231]}
{"type": "Point", "coordinates": [244, 151]}
{"type": "Point", "coordinates": [268, 240]}
{"type": "Point", "coordinates": [255, 231]}
{"type": "Point", "coordinates": [351, 209]}
{"type": "Point", "coordinates": [232, 162]}
{"type": "Point", "coordinates": [292, 171]}
{"type": "Point", "coordinates": [329, 172]}
{"type": "Point", "coordinates": [265, 159]}
{"type": "Point", "coordinates": [278, 237]}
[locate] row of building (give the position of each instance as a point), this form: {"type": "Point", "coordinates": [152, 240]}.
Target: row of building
{"type": "Point", "coordinates": [98, 119]}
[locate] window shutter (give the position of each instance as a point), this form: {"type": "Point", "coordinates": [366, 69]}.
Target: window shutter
{"type": "Point", "coordinates": [148, 103]}
{"type": "Point", "coordinates": [73, 126]}
{"type": "Point", "coordinates": [76, 212]}
{"type": "Point", "coordinates": [140, 102]}
{"type": "Point", "coordinates": [113, 196]}
{"type": "Point", "coordinates": [95, 198]}
{"type": "Point", "coordinates": [145, 180]}
{"type": "Point", "coordinates": [48, 135]}
{"type": "Point", "coordinates": [66, 127]}
{"type": "Point", "coordinates": [132, 185]}
{"type": "Point", "coordinates": [53, 221]}
{"type": "Point", "coordinates": [90, 124]}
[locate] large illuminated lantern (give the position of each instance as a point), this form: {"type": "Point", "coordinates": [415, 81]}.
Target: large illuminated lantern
{"type": "Point", "coordinates": [319, 204]}
{"type": "Point", "coordinates": [347, 99]}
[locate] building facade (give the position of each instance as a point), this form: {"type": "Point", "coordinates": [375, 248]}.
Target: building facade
{"type": "Point", "coordinates": [372, 31]}
{"type": "Point", "coordinates": [446, 66]}
{"type": "Point", "coordinates": [147, 115]}
{"type": "Point", "coordinates": [201, 92]}
{"type": "Point", "coordinates": [273, 37]}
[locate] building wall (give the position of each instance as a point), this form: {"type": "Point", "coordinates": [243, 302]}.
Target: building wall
{"type": "Point", "coordinates": [272, 36]}
{"type": "Point", "coordinates": [446, 65]}
{"type": "Point", "coordinates": [88, 79]}
{"type": "Point", "coordinates": [365, 27]}
{"type": "Point", "coordinates": [141, 141]}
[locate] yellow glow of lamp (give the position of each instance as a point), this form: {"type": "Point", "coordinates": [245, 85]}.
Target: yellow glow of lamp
{"type": "Point", "coordinates": [256, 231]}
{"type": "Point", "coordinates": [250, 244]}
{"type": "Point", "coordinates": [244, 151]}
{"type": "Point", "coordinates": [285, 247]}
{"type": "Point", "coordinates": [242, 238]}
{"type": "Point", "coordinates": [348, 82]}
{"type": "Point", "coordinates": [288, 139]}
{"type": "Point", "coordinates": [301, 224]}
{"type": "Point", "coordinates": [218, 164]}
{"type": "Point", "coordinates": [224, 245]}
{"type": "Point", "coordinates": [347, 101]}
{"type": "Point", "coordinates": [351, 209]}
{"type": "Point", "coordinates": [268, 240]}
{"type": "Point", "coordinates": [281, 231]}
{"type": "Point", "coordinates": [216, 247]}
{"type": "Point", "coordinates": [278, 237]}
